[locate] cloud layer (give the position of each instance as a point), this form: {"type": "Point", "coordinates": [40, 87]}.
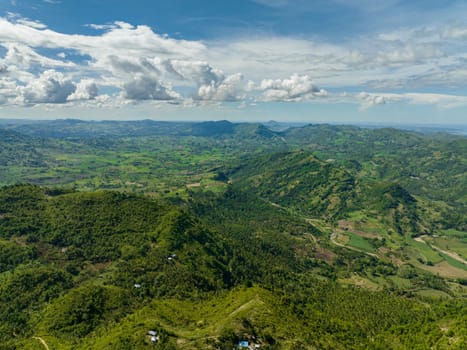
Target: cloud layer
{"type": "Point", "coordinates": [123, 63]}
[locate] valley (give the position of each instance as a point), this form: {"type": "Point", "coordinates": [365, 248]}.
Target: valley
{"type": "Point", "coordinates": [214, 233]}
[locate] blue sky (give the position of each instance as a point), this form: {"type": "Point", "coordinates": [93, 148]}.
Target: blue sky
{"type": "Point", "coordinates": [316, 61]}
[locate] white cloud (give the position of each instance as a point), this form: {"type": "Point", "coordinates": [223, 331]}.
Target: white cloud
{"type": "Point", "coordinates": [230, 88]}
{"type": "Point", "coordinates": [141, 65]}
{"type": "Point", "coordinates": [49, 87]}
{"type": "Point", "coordinates": [124, 39]}
{"type": "Point", "coordinates": [85, 90]}
{"type": "Point", "coordinates": [212, 84]}
{"type": "Point", "coordinates": [117, 56]}
{"type": "Point", "coordinates": [199, 72]}
{"type": "Point", "coordinates": [454, 32]}
{"type": "Point", "coordinates": [7, 89]}
{"type": "Point", "coordinates": [276, 57]}
{"type": "Point", "coordinates": [101, 26]}
{"type": "Point", "coordinates": [295, 88]}
{"type": "Point", "coordinates": [370, 100]}
{"type": "Point", "coordinates": [147, 88]}
{"type": "Point", "coordinates": [17, 18]}
{"type": "Point", "coordinates": [409, 54]}
{"type": "Point", "coordinates": [24, 57]}
{"type": "Point", "coordinates": [33, 24]}
{"type": "Point", "coordinates": [441, 100]}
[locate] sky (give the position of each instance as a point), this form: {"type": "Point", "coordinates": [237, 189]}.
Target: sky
{"type": "Point", "coordinates": [343, 61]}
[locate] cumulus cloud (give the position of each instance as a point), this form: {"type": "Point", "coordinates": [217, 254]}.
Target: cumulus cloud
{"type": "Point", "coordinates": [369, 100]}
{"type": "Point", "coordinates": [129, 66]}
{"type": "Point", "coordinates": [228, 88]}
{"type": "Point", "coordinates": [212, 84]}
{"type": "Point", "coordinates": [295, 88]}
{"type": "Point", "coordinates": [86, 89]}
{"type": "Point", "coordinates": [142, 65]}
{"type": "Point", "coordinates": [133, 59]}
{"type": "Point", "coordinates": [7, 89]}
{"type": "Point", "coordinates": [49, 87]}
{"type": "Point", "coordinates": [202, 73]}
{"type": "Point", "coordinates": [147, 88]}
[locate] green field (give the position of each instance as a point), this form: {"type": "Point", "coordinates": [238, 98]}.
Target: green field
{"type": "Point", "coordinates": [359, 242]}
{"type": "Point", "coordinates": [423, 251]}
{"type": "Point", "coordinates": [455, 242]}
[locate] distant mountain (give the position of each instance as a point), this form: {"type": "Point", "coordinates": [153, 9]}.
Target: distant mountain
{"type": "Point", "coordinates": [72, 128]}
{"type": "Point", "coordinates": [215, 128]}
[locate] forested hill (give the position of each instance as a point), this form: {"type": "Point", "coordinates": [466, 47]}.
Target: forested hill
{"type": "Point", "coordinates": [299, 181]}
{"type": "Point", "coordinates": [432, 165]}
{"type": "Point", "coordinates": [306, 185]}
{"type": "Point", "coordinates": [313, 237]}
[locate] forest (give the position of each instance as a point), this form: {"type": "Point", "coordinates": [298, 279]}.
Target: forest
{"type": "Point", "coordinates": [161, 235]}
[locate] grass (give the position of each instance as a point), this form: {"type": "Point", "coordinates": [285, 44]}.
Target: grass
{"type": "Point", "coordinates": [400, 282]}
{"type": "Point", "coordinates": [454, 262]}
{"type": "Point", "coordinates": [443, 269]}
{"type": "Point", "coordinates": [456, 233]}
{"type": "Point", "coordinates": [423, 251]}
{"type": "Point", "coordinates": [432, 293]}
{"type": "Point", "coordinates": [359, 242]}
{"type": "Point", "coordinates": [452, 243]}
